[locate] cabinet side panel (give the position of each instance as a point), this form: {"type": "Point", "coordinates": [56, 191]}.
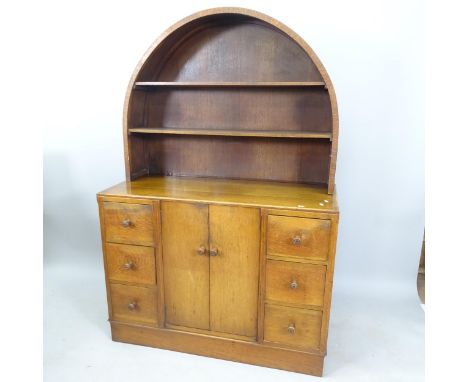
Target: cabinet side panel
{"type": "Point", "coordinates": [186, 273]}
{"type": "Point", "coordinates": [102, 222]}
{"type": "Point", "coordinates": [234, 271]}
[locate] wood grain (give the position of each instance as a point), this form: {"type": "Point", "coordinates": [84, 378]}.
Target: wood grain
{"type": "Point", "coordinates": [225, 68]}
{"type": "Point", "coordinates": [131, 263]}
{"type": "Point", "coordinates": [254, 158]}
{"type": "Point", "coordinates": [309, 282]}
{"type": "Point", "coordinates": [270, 355]}
{"type": "Point", "coordinates": [262, 275]}
{"type": "Point", "coordinates": [295, 109]}
{"type": "Point", "coordinates": [205, 84]}
{"type": "Point", "coordinates": [140, 223]}
{"type": "Point", "coordinates": [143, 298]}
{"type": "Point", "coordinates": [329, 282]}
{"type": "Point", "coordinates": [230, 141]}
{"type": "Point", "coordinates": [186, 273]}
{"type": "Point", "coordinates": [159, 262]}
{"type": "Point", "coordinates": [231, 133]}
{"type": "Point", "coordinates": [307, 324]}
{"type": "Point", "coordinates": [235, 235]}
{"type": "Point", "coordinates": [313, 236]}
{"type": "Point", "coordinates": [297, 197]}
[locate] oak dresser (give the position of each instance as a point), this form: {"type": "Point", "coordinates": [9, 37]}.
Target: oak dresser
{"type": "Point", "coordinates": [221, 241]}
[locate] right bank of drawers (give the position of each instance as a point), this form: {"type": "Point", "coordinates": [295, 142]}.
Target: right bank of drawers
{"type": "Point", "coordinates": [297, 252]}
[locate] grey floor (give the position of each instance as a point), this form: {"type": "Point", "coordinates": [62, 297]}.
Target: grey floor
{"type": "Point", "coordinates": [376, 335]}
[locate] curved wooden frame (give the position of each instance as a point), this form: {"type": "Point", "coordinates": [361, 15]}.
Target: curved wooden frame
{"type": "Point", "coordinates": [267, 19]}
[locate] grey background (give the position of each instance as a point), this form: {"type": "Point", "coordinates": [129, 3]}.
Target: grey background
{"type": "Point", "coordinates": [373, 52]}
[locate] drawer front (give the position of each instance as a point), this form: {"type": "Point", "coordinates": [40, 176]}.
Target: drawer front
{"type": "Point", "coordinates": [293, 327]}
{"type": "Point", "coordinates": [298, 237]}
{"type": "Point", "coordinates": [131, 263]}
{"type": "Point", "coordinates": [134, 304]}
{"type": "Point", "coordinates": [129, 223]}
{"type": "Point", "coordinates": [296, 283]}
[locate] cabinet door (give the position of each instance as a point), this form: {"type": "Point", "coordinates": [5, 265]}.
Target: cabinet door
{"type": "Point", "coordinates": [235, 244]}
{"type": "Point", "coordinates": [186, 272]}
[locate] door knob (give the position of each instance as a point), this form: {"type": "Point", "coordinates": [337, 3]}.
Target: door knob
{"type": "Point", "coordinates": [126, 223]}
{"type": "Point", "coordinates": [296, 240]}
{"type": "Point", "coordinates": [201, 251]}
{"type": "Point", "coordinates": [129, 265]}
{"type": "Point", "coordinates": [291, 328]}
{"type": "Point", "coordinates": [214, 252]}
{"type": "Point", "coordinates": [132, 306]}
{"type": "Point", "coordinates": [293, 284]}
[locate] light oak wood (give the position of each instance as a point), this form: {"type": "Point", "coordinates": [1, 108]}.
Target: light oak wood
{"type": "Point", "coordinates": [186, 272]}
{"type": "Point", "coordinates": [131, 263]}
{"type": "Point", "coordinates": [298, 237]}
{"type": "Point", "coordinates": [261, 276]}
{"type": "Point", "coordinates": [104, 254]}
{"type": "Point", "coordinates": [235, 236]}
{"type": "Point", "coordinates": [307, 326]}
{"type": "Point", "coordinates": [228, 84]}
{"type": "Point", "coordinates": [303, 340]}
{"type": "Point", "coordinates": [159, 262]}
{"type": "Point", "coordinates": [129, 223]}
{"type": "Point", "coordinates": [298, 197]}
{"type": "Point", "coordinates": [231, 133]}
{"type": "Point", "coordinates": [222, 240]}
{"type": "Point", "coordinates": [270, 355]}
{"type": "Point", "coordinates": [211, 333]}
{"type": "Point", "coordinates": [295, 283]}
{"type": "Point", "coordinates": [133, 304]}
{"type": "Point", "coordinates": [329, 282]}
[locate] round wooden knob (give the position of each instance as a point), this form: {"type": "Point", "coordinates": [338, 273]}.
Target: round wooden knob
{"type": "Point", "coordinates": [214, 252]}
{"type": "Point", "coordinates": [296, 240]}
{"type": "Point", "coordinates": [201, 251]}
{"type": "Point", "coordinates": [291, 329]}
{"type": "Point", "coordinates": [126, 223]}
{"type": "Point", "coordinates": [129, 265]}
{"type": "Point", "coordinates": [132, 306]}
{"type": "Point", "coordinates": [293, 284]}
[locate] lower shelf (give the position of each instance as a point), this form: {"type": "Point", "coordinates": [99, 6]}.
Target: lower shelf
{"type": "Point", "coordinates": [222, 348]}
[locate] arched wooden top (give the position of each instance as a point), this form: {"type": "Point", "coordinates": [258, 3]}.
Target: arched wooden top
{"type": "Point", "coordinates": [155, 64]}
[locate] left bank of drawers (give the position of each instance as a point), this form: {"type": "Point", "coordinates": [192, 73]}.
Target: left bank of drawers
{"type": "Point", "coordinates": [130, 261]}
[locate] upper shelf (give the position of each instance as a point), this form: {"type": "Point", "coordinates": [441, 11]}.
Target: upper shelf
{"type": "Point", "coordinates": [180, 84]}
{"type": "Point", "coordinates": [234, 133]}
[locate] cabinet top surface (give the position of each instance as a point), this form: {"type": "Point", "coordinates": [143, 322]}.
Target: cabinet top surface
{"type": "Point", "coordinates": [228, 191]}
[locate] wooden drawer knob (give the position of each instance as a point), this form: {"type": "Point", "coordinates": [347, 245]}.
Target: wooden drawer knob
{"type": "Point", "coordinates": [128, 266]}
{"type": "Point", "coordinates": [293, 284]}
{"type": "Point", "coordinates": [296, 240]}
{"type": "Point", "coordinates": [201, 251]}
{"type": "Point", "coordinates": [291, 329]}
{"type": "Point", "coordinates": [132, 306]}
{"type": "Point", "coordinates": [126, 223]}
{"type": "Point", "coordinates": [214, 252]}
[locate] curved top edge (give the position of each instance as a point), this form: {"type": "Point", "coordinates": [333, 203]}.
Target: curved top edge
{"type": "Point", "coordinates": [239, 11]}
{"type": "Point", "coordinates": [267, 19]}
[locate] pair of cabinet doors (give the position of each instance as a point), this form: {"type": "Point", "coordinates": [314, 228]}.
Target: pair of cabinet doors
{"type": "Point", "coordinates": [211, 266]}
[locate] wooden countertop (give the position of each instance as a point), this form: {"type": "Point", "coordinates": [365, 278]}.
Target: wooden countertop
{"type": "Point", "coordinates": [229, 191]}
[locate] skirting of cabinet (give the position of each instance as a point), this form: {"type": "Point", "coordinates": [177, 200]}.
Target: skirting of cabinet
{"type": "Point", "coordinates": [222, 348]}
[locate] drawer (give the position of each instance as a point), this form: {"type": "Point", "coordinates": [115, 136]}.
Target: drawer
{"type": "Point", "coordinates": [134, 304]}
{"type": "Point", "coordinates": [131, 263]}
{"type": "Point", "coordinates": [298, 237]}
{"type": "Point", "coordinates": [296, 283]}
{"type": "Point", "coordinates": [129, 223]}
{"type": "Point", "coordinates": [293, 327]}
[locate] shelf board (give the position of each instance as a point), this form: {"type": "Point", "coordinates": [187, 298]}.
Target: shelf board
{"type": "Point", "coordinates": [233, 133]}
{"type": "Point", "coordinates": [180, 84]}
